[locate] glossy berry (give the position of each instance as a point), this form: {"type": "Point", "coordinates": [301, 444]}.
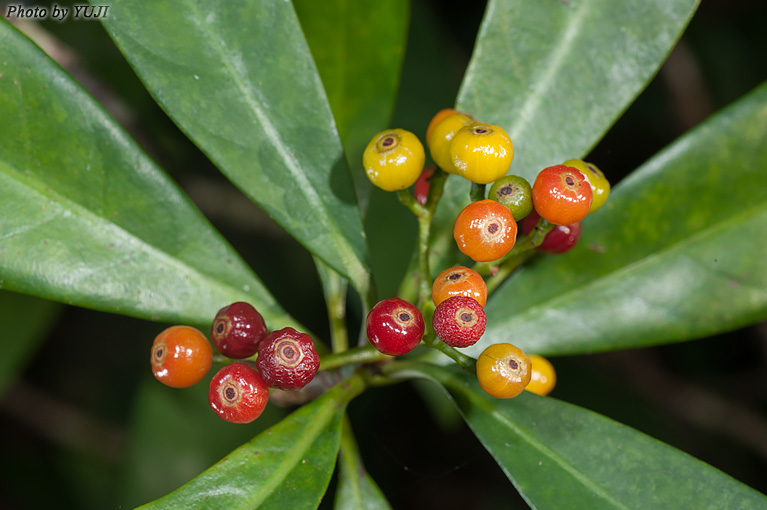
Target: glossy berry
{"type": "Point", "coordinates": [561, 195]}
{"type": "Point", "coordinates": [394, 326]}
{"type": "Point", "coordinates": [238, 393]}
{"type": "Point", "coordinates": [181, 356]}
{"type": "Point", "coordinates": [393, 159]}
{"type": "Point", "coordinates": [485, 230]}
{"type": "Point", "coordinates": [459, 281]}
{"type": "Point", "coordinates": [560, 239]}
{"type": "Point", "coordinates": [421, 190]}
{"type": "Point", "coordinates": [543, 378]}
{"type": "Point", "coordinates": [439, 117]}
{"type": "Point", "coordinates": [237, 330]}
{"type": "Point", "coordinates": [459, 321]}
{"type": "Point", "coordinates": [481, 153]}
{"type": "Point", "coordinates": [515, 193]}
{"type": "Point", "coordinates": [442, 135]}
{"type": "Point", "coordinates": [503, 370]}
{"type": "Point", "coordinates": [600, 186]}
{"type": "Point", "coordinates": [287, 359]}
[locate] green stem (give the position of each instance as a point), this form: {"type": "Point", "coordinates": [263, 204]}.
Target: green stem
{"type": "Point", "coordinates": [464, 361]}
{"type": "Point", "coordinates": [334, 286]}
{"type": "Point", "coordinates": [364, 354]}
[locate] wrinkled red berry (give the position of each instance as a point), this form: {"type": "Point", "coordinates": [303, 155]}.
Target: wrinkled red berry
{"type": "Point", "coordinates": [287, 359]}
{"type": "Point", "coordinates": [394, 326]}
{"type": "Point", "coordinates": [237, 330]}
{"type": "Point", "coordinates": [459, 321]}
{"type": "Point", "coordinates": [560, 239]}
{"type": "Point", "coordinates": [238, 394]}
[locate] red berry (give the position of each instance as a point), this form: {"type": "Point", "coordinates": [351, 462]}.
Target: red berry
{"type": "Point", "coordinates": [422, 184]}
{"type": "Point", "coordinates": [181, 356]}
{"type": "Point", "coordinates": [394, 326]}
{"type": "Point", "coordinates": [560, 239]}
{"type": "Point", "coordinates": [238, 394]}
{"type": "Point", "coordinates": [237, 330]}
{"type": "Point", "coordinates": [459, 321]}
{"type": "Point", "coordinates": [287, 359]}
{"type": "Point", "coordinates": [562, 195]}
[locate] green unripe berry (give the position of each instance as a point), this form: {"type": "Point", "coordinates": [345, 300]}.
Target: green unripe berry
{"type": "Point", "coordinates": [515, 193]}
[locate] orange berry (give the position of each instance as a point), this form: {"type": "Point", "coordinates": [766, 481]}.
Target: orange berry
{"type": "Point", "coordinates": [562, 195]}
{"type": "Point", "coordinates": [503, 370]}
{"type": "Point", "coordinates": [485, 230]}
{"type": "Point", "coordinates": [459, 281]}
{"type": "Point", "coordinates": [181, 356]}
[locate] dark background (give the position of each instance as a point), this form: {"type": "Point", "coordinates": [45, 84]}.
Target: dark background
{"type": "Point", "coordinates": [86, 426]}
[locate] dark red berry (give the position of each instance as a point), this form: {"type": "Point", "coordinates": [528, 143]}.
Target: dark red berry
{"type": "Point", "coordinates": [422, 184]}
{"type": "Point", "coordinates": [560, 239]}
{"type": "Point", "coordinates": [459, 321]}
{"type": "Point", "coordinates": [287, 359]}
{"type": "Point", "coordinates": [237, 330]}
{"type": "Point", "coordinates": [394, 326]}
{"type": "Point", "coordinates": [238, 394]}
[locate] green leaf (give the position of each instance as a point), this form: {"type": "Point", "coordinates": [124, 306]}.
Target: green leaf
{"type": "Point", "coordinates": [24, 322]}
{"type": "Point", "coordinates": [239, 79]}
{"type": "Point", "coordinates": [356, 488]}
{"type": "Point", "coordinates": [556, 75]}
{"type": "Point", "coordinates": [676, 253]}
{"type": "Point", "coordinates": [358, 48]}
{"type": "Point", "coordinates": [562, 456]}
{"type": "Point", "coordinates": [287, 466]}
{"type": "Point", "coordinates": [88, 219]}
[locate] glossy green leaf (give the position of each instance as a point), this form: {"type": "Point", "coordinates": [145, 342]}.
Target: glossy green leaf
{"type": "Point", "coordinates": [87, 218]}
{"type": "Point", "coordinates": [239, 79]}
{"type": "Point", "coordinates": [286, 466]}
{"type": "Point", "coordinates": [356, 488]}
{"type": "Point", "coordinates": [677, 252]}
{"type": "Point", "coordinates": [556, 75]}
{"type": "Point", "coordinates": [358, 48]}
{"type": "Point", "coordinates": [562, 456]}
{"type": "Point", "coordinates": [24, 322]}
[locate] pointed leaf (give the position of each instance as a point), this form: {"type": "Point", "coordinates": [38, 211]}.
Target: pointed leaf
{"type": "Point", "coordinates": [287, 466]}
{"type": "Point", "coordinates": [88, 219]}
{"type": "Point", "coordinates": [676, 253]}
{"type": "Point", "coordinates": [358, 48]}
{"type": "Point", "coordinates": [562, 456]}
{"type": "Point", "coordinates": [239, 79]}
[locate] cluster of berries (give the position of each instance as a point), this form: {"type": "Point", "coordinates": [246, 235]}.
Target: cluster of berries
{"type": "Point", "coordinates": [485, 231]}
{"type": "Point", "coordinates": [287, 359]}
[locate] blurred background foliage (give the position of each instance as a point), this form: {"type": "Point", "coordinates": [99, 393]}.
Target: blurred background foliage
{"type": "Point", "coordinates": [84, 425]}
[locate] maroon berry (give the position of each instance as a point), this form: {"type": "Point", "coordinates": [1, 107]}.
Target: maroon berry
{"type": "Point", "coordinates": [287, 359]}
{"type": "Point", "coordinates": [560, 239]}
{"type": "Point", "coordinates": [238, 394]}
{"type": "Point", "coordinates": [237, 330]}
{"type": "Point", "coordinates": [394, 326]}
{"type": "Point", "coordinates": [459, 321]}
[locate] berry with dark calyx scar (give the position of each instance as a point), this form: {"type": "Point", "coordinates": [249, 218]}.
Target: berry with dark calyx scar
{"type": "Point", "coordinates": [558, 240]}
{"type": "Point", "coordinates": [515, 193]}
{"type": "Point", "coordinates": [459, 321]}
{"type": "Point", "coordinates": [481, 153]}
{"type": "Point", "coordinates": [237, 330]}
{"type": "Point", "coordinates": [287, 359]}
{"type": "Point", "coordinates": [394, 326]}
{"type": "Point", "coordinates": [394, 159]}
{"type": "Point", "coordinates": [238, 393]}
{"type": "Point", "coordinates": [561, 195]}
{"type": "Point", "coordinates": [181, 356]}
{"type": "Point", "coordinates": [503, 370]}
{"type": "Point", "coordinates": [459, 281]}
{"type": "Point", "coordinates": [600, 186]}
{"type": "Point", "coordinates": [543, 378]}
{"type": "Point", "coordinates": [422, 184]}
{"type": "Point", "coordinates": [485, 231]}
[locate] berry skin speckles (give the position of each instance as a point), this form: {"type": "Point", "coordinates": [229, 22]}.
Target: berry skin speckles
{"type": "Point", "coordinates": [485, 231]}
{"type": "Point", "coordinates": [287, 359]}
{"type": "Point", "coordinates": [459, 281]}
{"type": "Point", "coordinates": [561, 195]}
{"type": "Point", "coordinates": [238, 394]}
{"type": "Point", "coordinates": [459, 321]}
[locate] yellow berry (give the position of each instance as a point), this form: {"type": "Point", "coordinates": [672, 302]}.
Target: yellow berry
{"type": "Point", "coordinates": [481, 153]}
{"type": "Point", "coordinates": [440, 137]}
{"type": "Point", "coordinates": [600, 186]}
{"type": "Point", "coordinates": [503, 370]}
{"type": "Point", "coordinates": [394, 159]}
{"type": "Point", "coordinates": [543, 378]}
